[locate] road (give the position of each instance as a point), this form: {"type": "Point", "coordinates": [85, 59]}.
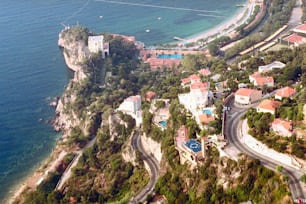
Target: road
{"type": "Point", "coordinates": [153, 165]}
{"type": "Point", "coordinates": [67, 173]}
{"type": "Point", "coordinates": [232, 127]}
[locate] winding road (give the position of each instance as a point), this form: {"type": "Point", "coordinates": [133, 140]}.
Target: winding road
{"type": "Point", "coordinates": [153, 165]}
{"type": "Point", "coordinates": [232, 129]}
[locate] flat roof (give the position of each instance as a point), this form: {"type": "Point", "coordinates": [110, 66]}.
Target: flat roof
{"type": "Point", "coordinates": [193, 145]}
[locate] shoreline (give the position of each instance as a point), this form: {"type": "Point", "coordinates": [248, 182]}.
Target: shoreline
{"type": "Point", "coordinates": [226, 27]}
{"type": "Point", "coordinates": [51, 159]}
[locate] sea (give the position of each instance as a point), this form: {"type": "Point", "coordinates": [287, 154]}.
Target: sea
{"type": "Point", "coordinates": [33, 71]}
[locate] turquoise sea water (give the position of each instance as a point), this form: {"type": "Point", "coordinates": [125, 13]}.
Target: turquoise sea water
{"type": "Point", "coordinates": [32, 69]}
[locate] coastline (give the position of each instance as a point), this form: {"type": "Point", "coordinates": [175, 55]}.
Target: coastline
{"type": "Point", "coordinates": [226, 27]}
{"type": "Point", "coordinates": [51, 160]}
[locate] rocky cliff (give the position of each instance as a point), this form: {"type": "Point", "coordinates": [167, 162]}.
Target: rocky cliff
{"type": "Point", "coordinates": [75, 50]}
{"type": "Point", "coordinates": [152, 147]}
{"type": "Point", "coordinates": [73, 42]}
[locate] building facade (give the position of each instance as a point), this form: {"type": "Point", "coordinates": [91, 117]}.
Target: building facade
{"type": "Point", "coordinates": [96, 44]}
{"type": "Point", "coordinates": [245, 96]}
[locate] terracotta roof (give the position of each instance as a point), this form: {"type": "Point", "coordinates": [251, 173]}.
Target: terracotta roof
{"type": "Point", "coordinates": [199, 85]}
{"type": "Point", "coordinates": [245, 92]}
{"type": "Point", "coordinates": [285, 123]}
{"type": "Point", "coordinates": [185, 80]}
{"type": "Point", "coordinates": [294, 38]}
{"type": "Point", "coordinates": [301, 27]}
{"type": "Point", "coordinates": [205, 118]}
{"type": "Point", "coordinates": [256, 75]}
{"type": "Point", "coordinates": [194, 78]}
{"type": "Point", "coordinates": [204, 72]}
{"type": "Point", "coordinates": [269, 104]}
{"type": "Point", "coordinates": [150, 95]}
{"type": "Point", "coordinates": [264, 80]}
{"type": "Point", "coordinates": [285, 92]}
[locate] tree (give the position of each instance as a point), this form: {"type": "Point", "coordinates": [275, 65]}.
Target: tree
{"type": "Point", "coordinates": [279, 168]}
{"type": "Point", "coordinates": [303, 178]}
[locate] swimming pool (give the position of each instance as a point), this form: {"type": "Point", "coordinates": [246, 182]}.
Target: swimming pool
{"type": "Point", "coordinates": [170, 56]}
{"type": "Point", "coordinates": [163, 123]}
{"type": "Point", "coordinates": [207, 111]}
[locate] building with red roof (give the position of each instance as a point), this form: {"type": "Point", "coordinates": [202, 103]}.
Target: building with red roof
{"type": "Point", "coordinates": [190, 150]}
{"type": "Point", "coordinates": [204, 72]}
{"type": "Point", "coordinates": [295, 40]}
{"type": "Point", "coordinates": [282, 127]}
{"type": "Point", "coordinates": [245, 96]}
{"type": "Point", "coordinates": [285, 92]}
{"type": "Point", "coordinates": [259, 81]}
{"type": "Point", "coordinates": [194, 78]}
{"type": "Point", "coordinates": [300, 29]}
{"type": "Point", "coordinates": [150, 95]}
{"type": "Point", "coordinates": [268, 106]}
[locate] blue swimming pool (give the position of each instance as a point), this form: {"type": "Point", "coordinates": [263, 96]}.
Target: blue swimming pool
{"type": "Point", "coordinates": [163, 124]}
{"type": "Point", "coordinates": [207, 111]}
{"type": "Point", "coordinates": [170, 56]}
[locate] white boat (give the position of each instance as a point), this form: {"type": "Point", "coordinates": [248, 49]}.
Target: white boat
{"type": "Point", "coordinates": [100, 16]}
{"type": "Point", "coordinates": [147, 30]}
{"type": "Point", "coordinates": [158, 18]}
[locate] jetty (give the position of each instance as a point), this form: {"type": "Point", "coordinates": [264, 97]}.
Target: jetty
{"type": "Point", "coordinates": [178, 38]}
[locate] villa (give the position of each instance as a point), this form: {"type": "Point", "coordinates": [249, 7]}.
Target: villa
{"type": "Point", "coordinates": [270, 67]}
{"type": "Point", "coordinates": [268, 106]}
{"type": "Point", "coordinates": [204, 72]}
{"type": "Point", "coordinates": [246, 96]}
{"type": "Point", "coordinates": [285, 92]}
{"type": "Point", "coordinates": [96, 44]}
{"type": "Point", "coordinates": [197, 98]}
{"type": "Point", "coordinates": [161, 115]}
{"type": "Point", "coordinates": [150, 95]}
{"type": "Point", "coordinates": [190, 150]}
{"type": "Point", "coordinates": [190, 80]}
{"type": "Point", "coordinates": [282, 127]}
{"type": "Point", "coordinates": [132, 106]}
{"type": "Point", "coordinates": [260, 81]}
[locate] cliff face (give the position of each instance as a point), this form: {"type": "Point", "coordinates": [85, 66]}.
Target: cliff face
{"type": "Point", "coordinates": [152, 147]}
{"type": "Point", "coordinates": [73, 42]}
{"type": "Point", "coordinates": [75, 52]}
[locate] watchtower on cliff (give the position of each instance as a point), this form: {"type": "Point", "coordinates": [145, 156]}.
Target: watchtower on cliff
{"type": "Point", "coordinates": [96, 44]}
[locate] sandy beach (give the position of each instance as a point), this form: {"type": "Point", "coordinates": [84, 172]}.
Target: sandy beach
{"type": "Point", "coordinates": [227, 27]}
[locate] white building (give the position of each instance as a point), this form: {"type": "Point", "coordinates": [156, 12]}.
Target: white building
{"type": "Point", "coordinates": [282, 127]}
{"type": "Point", "coordinates": [268, 106]}
{"type": "Point", "coordinates": [260, 81]}
{"type": "Point", "coordinates": [96, 44]}
{"type": "Point", "coordinates": [270, 67]}
{"type": "Point", "coordinates": [245, 96]}
{"type": "Point", "coordinates": [197, 98]}
{"type": "Point", "coordinates": [132, 107]}
{"type": "Point", "coordinates": [285, 92]}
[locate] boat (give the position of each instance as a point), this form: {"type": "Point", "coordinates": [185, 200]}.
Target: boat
{"type": "Point", "coordinates": [147, 30]}
{"type": "Point", "coordinates": [158, 18]}
{"type": "Point", "coordinates": [100, 16]}
{"type": "Point", "coordinates": [240, 5]}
